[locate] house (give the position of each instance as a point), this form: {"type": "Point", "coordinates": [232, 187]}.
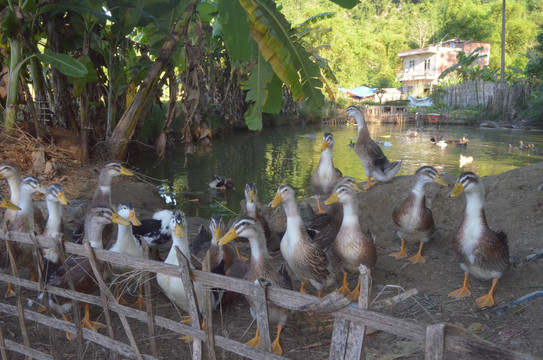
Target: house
{"type": "Point", "coordinates": [422, 67]}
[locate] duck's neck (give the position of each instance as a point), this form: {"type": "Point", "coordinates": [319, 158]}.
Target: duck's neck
{"type": "Point", "coordinates": [419, 193]}
{"type": "Point", "coordinates": [292, 212]}
{"type": "Point", "coordinates": [102, 194]}
{"type": "Point", "coordinates": [361, 124]}
{"type": "Point", "coordinates": [183, 245]}
{"type": "Point", "coordinates": [350, 213]}
{"type": "Point", "coordinates": [124, 235]}
{"type": "Point", "coordinates": [474, 203]}
{"type": "Point", "coordinates": [259, 252]}
{"type": "Point", "coordinates": [54, 221]}
{"type": "Point", "coordinates": [14, 182]}
{"type": "Point", "coordinates": [327, 158]}
{"type": "Point", "coordinates": [93, 233]}
{"type": "Point", "coordinates": [25, 204]}
{"type": "Point", "coordinates": [252, 209]}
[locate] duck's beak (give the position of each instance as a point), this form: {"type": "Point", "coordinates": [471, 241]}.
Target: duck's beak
{"type": "Point", "coordinates": [118, 219]}
{"type": "Point", "coordinates": [229, 236]}
{"type": "Point", "coordinates": [125, 171]}
{"type": "Point", "coordinates": [458, 189]}
{"type": "Point", "coordinates": [62, 198]}
{"type": "Point", "coordinates": [41, 189]}
{"type": "Point", "coordinates": [332, 199]}
{"type": "Point", "coordinates": [439, 180]}
{"type": "Point", "coordinates": [276, 200]}
{"type": "Point", "coordinates": [251, 195]}
{"type": "Point", "coordinates": [324, 145]}
{"type": "Point", "coordinates": [179, 231]}
{"type": "Point", "coordinates": [134, 219]}
{"type": "Point", "coordinates": [6, 204]}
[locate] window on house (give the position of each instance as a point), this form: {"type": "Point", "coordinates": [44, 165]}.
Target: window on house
{"type": "Point", "coordinates": [427, 65]}
{"type": "Point", "coordinates": [411, 64]}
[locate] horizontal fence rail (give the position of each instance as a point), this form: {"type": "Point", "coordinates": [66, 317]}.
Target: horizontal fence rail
{"type": "Point", "coordinates": [348, 333]}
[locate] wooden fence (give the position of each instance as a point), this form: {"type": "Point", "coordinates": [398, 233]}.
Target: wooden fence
{"type": "Point", "coordinates": [386, 114]}
{"type": "Point", "coordinates": [492, 95]}
{"type": "Point", "coordinates": [347, 336]}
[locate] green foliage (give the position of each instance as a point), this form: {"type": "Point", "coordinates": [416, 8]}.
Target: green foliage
{"type": "Point", "coordinates": [235, 30]}
{"type": "Point", "coordinates": [257, 92]}
{"type": "Point", "coordinates": [64, 63]}
{"type": "Point", "coordinates": [289, 60]}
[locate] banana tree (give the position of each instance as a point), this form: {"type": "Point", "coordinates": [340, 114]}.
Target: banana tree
{"type": "Point", "coordinates": [281, 53]}
{"type": "Point", "coordinates": [16, 21]}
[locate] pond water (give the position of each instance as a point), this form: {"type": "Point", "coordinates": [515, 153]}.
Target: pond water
{"type": "Point", "coordinates": [288, 155]}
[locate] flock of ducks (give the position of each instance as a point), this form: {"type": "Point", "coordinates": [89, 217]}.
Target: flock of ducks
{"type": "Point", "coordinates": [316, 253]}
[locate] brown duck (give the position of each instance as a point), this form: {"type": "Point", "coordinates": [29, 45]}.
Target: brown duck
{"type": "Point", "coordinates": [352, 245]}
{"type": "Point", "coordinates": [414, 220]}
{"type": "Point", "coordinates": [260, 269]}
{"type": "Point", "coordinates": [308, 261]}
{"type": "Point", "coordinates": [374, 161]}
{"type": "Point", "coordinates": [483, 253]}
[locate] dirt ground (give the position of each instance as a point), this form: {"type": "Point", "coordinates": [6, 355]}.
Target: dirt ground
{"type": "Point", "coordinates": [514, 203]}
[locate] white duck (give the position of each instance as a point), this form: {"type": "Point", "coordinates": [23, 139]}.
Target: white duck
{"type": "Point", "coordinates": [127, 243]}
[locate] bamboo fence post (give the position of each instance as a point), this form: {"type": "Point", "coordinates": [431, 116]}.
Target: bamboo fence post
{"type": "Point", "coordinates": [75, 303]}
{"type": "Point", "coordinates": [106, 295]}
{"type": "Point", "coordinates": [149, 304]}
{"type": "Point", "coordinates": [3, 351]}
{"type": "Point", "coordinates": [193, 306]}
{"type": "Point", "coordinates": [20, 308]}
{"type": "Point", "coordinates": [208, 314]}
{"type": "Point", "coordinates": [261, 312]}
{"type": "Point", "coordinates": [347, 336]}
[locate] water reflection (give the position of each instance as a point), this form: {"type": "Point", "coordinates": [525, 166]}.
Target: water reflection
{"type": "Point", "coordinates": [289, 155]}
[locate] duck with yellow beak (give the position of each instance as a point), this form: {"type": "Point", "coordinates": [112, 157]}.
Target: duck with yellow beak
{"type": "Point", "coordinates": [260, 269]}
{"type": "Point", "coordinates": [483, 253]}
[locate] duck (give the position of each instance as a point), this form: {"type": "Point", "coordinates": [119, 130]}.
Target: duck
{"type": "Point", "coordinates": [9, 173]}
{"type": "Point", "coordinates": [252, 205]}
{"type": "Point", "coordinates": [463, 142]}
{"type": "Point", "coordinates": [326, 175]}
{"type": "Point", "coordinates": [23, 223]}
{"type": "Point", "coordinates": [465, 160]}
{"type": "Point", "coordinates": [156, 231]}
{"type": "Point", "coordinates": [172, 286]}
{"type": "Point", "coordinates": [324, 227]}
{"type": "Point", "coordinates": [260, 269]}
{"type": "Point", "coordinates": [308, 261]}
{"type": "Point", "coordinates": [205, 244]}
{"type": "Point", "coordinates": [483, 253]}
{"type": "Point", "coordinates": [439, 142]}
{"type": "Point", "coordinates": [222, 259]}
{"type": "Point", "coordinates": [413, 218]}
{"type": "Point", "coordinates": [352, 245]}
{"type": "Point", "coordinates": [102, 195]}
{"type": "Point", "coordinates": [126, 243]}
{"type": "Point", "coordinates": [374, 161]}
{"type": "Point", "coordinates": [55, 227]}
{"type": "Point", "coordinates": [412, 133]}
{"type": "Point", "coordinates": [80, 269]}
{"type": "Point", "coordinates": [110, 170]}
{"type": "Point", "coordinates": [220, 183]}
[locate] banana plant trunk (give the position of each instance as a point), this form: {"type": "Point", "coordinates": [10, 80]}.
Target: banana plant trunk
{"type": "Point", "coordinates": [117, 144]}
{"type": "Point", "coordinates": [13, 83]}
